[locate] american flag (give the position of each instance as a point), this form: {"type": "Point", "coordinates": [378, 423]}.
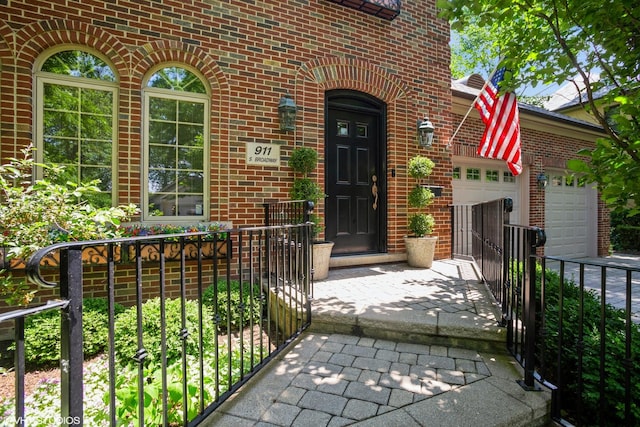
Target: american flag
{"type": "Point", "coordinates": [499, 112]}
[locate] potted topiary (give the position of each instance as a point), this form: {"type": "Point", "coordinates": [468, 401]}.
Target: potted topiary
{"type": "Point", "coordinates": [420, 245]}
{"type": "Point", "coordinates": [303, 161]}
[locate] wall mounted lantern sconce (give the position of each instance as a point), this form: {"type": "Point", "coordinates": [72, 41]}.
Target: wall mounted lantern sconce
{"type": "Point", "coordinates": [542, 180]}
{"type": "Point", "coordinates": [287, 110]}
{"type": "Point", "coordinates": [425, 133]}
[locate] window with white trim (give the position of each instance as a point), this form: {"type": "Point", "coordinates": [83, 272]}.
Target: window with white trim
{"type": "Point", "coordinates": [176, 144]}
{"type": "Point", "coordinates": [76, 119]}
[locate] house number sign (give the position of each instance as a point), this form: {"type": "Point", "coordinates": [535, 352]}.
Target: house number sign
{"type": "Point", "coordinates": [263, 154]}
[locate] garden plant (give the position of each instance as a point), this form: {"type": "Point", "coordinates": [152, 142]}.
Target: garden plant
{"type": "Point", "coordinates": [588, 309]}
{"type": "Point", "coordinates": [42, 348]}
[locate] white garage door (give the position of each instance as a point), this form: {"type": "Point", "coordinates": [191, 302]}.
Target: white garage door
{"type": "Point", "coordinates": [569, 218]}
{"type": "Point", "coordinates": [482, 182]}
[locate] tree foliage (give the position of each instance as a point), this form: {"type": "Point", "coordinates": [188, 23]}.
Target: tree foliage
{"type": "Point", "coordinates": [553, 41]}
{"type": "Point", "coordinates": [474, 51]}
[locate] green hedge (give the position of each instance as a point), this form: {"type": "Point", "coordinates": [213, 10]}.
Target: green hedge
{"type": "Point", "coordinates": [614, 396]}
{"type": "Point", "coordinates": [626, 237]}
{"type": "Point", "coordinates": [126, 327]}
{"type": "Point", "coordinates": [42, 333]}
{"type": "Point", "coordinates": [251, 304]}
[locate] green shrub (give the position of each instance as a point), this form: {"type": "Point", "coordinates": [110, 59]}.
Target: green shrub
{"type": "Point", "coordinates": [303, 160]}
{"type": "Point", "coordinates": [626, 237]}
{"type": "Point", "coordinates": [614, 353]}
{"type": "Point", "coordinates": [42, 333]}
{"type": "Point", "coordinates": [36, 214]}
{"type": "Point", "coordinates": [230, 304]}
{"type": "Point", "coordinates": [420, 197]}
{"type": "Point", "coordinates": [126, 331]}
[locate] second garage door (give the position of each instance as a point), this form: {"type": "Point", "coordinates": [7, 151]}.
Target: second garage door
{"type": "Point", "coordinates": [570, 218]}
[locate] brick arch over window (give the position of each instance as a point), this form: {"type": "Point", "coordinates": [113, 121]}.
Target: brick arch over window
{"type": "Point", "coordinates": [29, 42]}
{"type": "Point", "coordinates": [7, 97]}
{"type": "Point", "coordinates": [165, 51]}
{"type": "Point", "coordinates": [158, 52]}
{"type": "Point", "coordinates": [36, 38]}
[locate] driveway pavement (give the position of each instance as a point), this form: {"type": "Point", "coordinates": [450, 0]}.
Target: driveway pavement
{"type": "Point", "coordinates": [615, 278]}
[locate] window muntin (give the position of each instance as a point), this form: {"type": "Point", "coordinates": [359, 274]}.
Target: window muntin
{"type": "Point", "coordinates": [76, 119]}
{"type": "Point", "coordinates": [492, 176]}
{"type": "Point", "coordinates": [473, 174]}
{"type": "Point", "coordinates": [508, 176]}
{"type": "Point", "coordinates": [177, 79]}
{"type": "Point", "coordinates": [456, 172]}
{"type": "Point", "coordinates": [176, 146]}
{"type": "Point", "coordinates": [77, 63]}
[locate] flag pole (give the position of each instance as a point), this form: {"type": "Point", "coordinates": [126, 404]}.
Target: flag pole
{"type": "Point", "coordinates": [486, 82]}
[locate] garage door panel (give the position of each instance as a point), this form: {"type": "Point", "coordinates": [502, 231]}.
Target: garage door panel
{"type": "Point", "coordinates": [481, 183]}
{"type": "Point", "coordinates": [566, 219]}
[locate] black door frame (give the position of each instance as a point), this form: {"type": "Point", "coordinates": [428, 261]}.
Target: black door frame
{"type": "Point", "coordinates": [360, 102]}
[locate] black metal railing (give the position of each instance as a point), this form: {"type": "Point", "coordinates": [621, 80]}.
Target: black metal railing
{"type": "Point", "coordinates": [221, 343]}
{"type": "Point", "coordinates": [487, 239]}
{"type": "Point", "coordinates": [573, 325]}
{"type": "Point", "coordinates": [517, 295]}
{"type": "Point", "coordinates": [587, 348]}
{"type": "Point", "coordinates": [283, 212]}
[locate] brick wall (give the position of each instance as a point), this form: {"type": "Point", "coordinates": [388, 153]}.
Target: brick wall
{"type": "Point", "coordinates": [250, 53]}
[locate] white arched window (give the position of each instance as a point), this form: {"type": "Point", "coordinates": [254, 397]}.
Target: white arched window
{"type": "Point", "coordinates": [76, 119]}
{"type": "Point", "coordinates": [176, 144]}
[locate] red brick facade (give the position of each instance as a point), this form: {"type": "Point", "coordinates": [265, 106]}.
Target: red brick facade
{"type": "Point", "coordinates": [250, 53]}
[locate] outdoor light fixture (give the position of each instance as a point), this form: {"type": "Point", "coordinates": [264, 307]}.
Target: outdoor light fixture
{"type": "Point", "coordinates": [425, 132]}
{"type": "Point", "coordinates": [287, 113]}
{"type": "Point", "coordinates": [542, 180]}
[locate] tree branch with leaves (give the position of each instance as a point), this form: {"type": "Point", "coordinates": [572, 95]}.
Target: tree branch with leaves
{"type": "Point", "coordinates": [560, 41]}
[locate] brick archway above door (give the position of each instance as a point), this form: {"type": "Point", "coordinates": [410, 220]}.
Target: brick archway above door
{"type": "Point", "coordinates": [345, 73]}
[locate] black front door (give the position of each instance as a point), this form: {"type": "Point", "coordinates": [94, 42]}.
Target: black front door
{"type": "Point", "coordinates": [356, 202]}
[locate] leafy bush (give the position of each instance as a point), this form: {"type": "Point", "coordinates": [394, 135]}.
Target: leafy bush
{"type": "Point", "coordinates": [42, 333]}
{"type": "Point", "coordinates": [590, 341]}
{"type": "Point", "coordinates": [126, 330]}
{"type": "Point", "coordinates": [626, 238]}
{"type": "Point", "coordinates": [36, 214]}
{"type": "Point", "coordinates": [230, 304]}
{"type": "Point", "coordinates": [625, 231]}
{"type": "Point", "coordinates": [127, 386]}
{"type": "Point", "coordinates": [421, 224]}
{"type": "Point", "coordinates": [303, 160]}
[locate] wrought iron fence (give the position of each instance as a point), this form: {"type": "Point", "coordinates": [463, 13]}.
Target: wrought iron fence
{"type": "Point", "coordinates": [587, 343]}
{"type": "Point", "coordinates": [572, 324]}
{"type": "Point", "coordinates": [207, 311]}
{"type": "Point", "coordinates": [287, 212]}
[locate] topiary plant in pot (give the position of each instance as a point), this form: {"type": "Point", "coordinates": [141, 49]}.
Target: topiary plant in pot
{"type": "Point", "coordinates": [303, 161]}
{"type": "Point", "coordinates": [420, 245]}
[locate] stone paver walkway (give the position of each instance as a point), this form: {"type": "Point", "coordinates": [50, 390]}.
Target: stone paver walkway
{"type": "Point", "coordinates": [391, 345]}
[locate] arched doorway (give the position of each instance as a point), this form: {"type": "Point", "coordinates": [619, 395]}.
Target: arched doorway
{"type": "Point", "coordinates": [355, 172]}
